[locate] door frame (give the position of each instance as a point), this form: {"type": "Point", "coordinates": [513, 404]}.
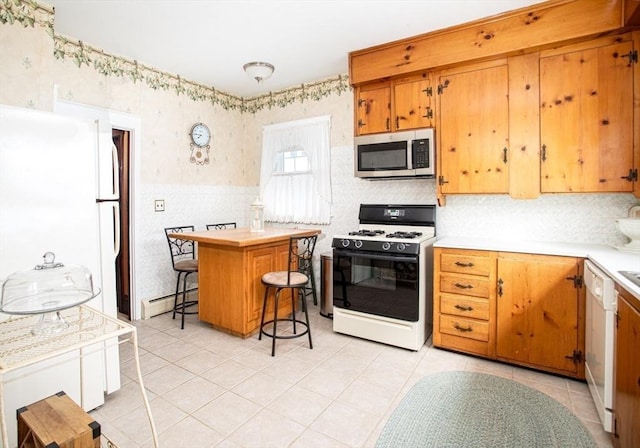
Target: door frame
{"type": "Point", "coordinates": [125, 122]}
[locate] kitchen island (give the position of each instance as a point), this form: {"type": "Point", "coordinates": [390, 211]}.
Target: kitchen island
{"type": "Point", "coordinates": [231, 263]}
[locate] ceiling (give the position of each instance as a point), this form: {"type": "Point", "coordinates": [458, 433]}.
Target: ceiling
{"type": "Point", "coordinates": [208, 41]}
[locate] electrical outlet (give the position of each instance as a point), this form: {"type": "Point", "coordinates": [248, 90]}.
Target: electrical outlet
{"type": "Point", "coordinates": [159, 205]}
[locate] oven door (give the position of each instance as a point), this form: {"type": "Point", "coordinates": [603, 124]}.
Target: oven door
{"type": "Point", "coordinates": [377, 283]}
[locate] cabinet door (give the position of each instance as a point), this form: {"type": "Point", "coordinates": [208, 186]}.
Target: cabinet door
{"type": "Point", "coordinates": [373, 109]}
{"type": "Point", "coordinates": [412, 103]}
{"type": "Point", "coordinates": [586, 120]}
{"type": "Point", "coordinates": [474, 121]}
{"type": "Point", "coordinates": [261, 261]}
{"type": "Point", "coordinates": [538, 309]}
{"type": "Point", "coordinates": [627, 378]}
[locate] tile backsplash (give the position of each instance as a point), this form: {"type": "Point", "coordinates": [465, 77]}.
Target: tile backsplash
{"type": "Point", "coordinates": [579, 218]}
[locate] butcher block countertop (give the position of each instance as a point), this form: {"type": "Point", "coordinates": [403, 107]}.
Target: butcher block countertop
{"type": "Point", "coordinates": [244, 237]}
{"type": "Point", "coordinates": [607, 258]}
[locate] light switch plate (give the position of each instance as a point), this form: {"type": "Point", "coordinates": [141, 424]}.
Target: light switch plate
{"type": "Point", "coordinates": [159, 205]}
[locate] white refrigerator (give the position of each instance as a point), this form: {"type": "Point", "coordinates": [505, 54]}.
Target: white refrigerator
{"type": "Point", "coordinates": [59, 193]}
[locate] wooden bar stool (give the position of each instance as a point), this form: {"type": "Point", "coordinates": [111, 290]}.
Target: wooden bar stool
{"type": "Point", "coordinates": [292, 279]}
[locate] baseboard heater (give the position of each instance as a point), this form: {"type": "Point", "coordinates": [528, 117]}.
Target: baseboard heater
{"type": "Point", "coordinates": [161, 305]}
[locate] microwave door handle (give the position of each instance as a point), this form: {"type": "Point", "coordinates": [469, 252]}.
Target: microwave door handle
{"type": "Point", "coordinates": [410, 154]}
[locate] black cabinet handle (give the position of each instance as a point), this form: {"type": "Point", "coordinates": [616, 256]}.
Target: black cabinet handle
{"type": "Point", "coordinates": [464, 330]}
{"type": "Point", "coordinates": [633, 175]}
{"type": "Point", "coordinates": [461, 286]}
{"type": "Point", "coordinates": [464, 308]}
{"type": "Point", "coordinates": [464, 265]}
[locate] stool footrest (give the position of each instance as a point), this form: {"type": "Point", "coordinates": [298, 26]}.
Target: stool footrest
{"type": "Point", "coordinates": [179, 308]}
{"type": "Point", "coordinates": [286, 336]}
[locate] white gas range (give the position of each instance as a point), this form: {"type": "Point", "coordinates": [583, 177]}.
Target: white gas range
{"type": "Point", "coordinates": [383, 275]}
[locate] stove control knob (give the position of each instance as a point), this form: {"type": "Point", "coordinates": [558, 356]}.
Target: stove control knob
{"type": "Point", "coordinates": [345, 243]}
{"type": "Point", "coordinates": [401, 246]}
{"type": "Point", "coordinates": [358, 244]}
{"type": "Point", "coordinates": [386, 245]}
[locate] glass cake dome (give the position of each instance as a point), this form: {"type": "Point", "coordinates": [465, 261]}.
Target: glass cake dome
{"type": "Point", "coordinates": [47, 289]}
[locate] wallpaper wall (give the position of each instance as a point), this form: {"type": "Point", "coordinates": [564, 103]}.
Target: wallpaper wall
{"type": "Point", "coordinates": [34, 60]}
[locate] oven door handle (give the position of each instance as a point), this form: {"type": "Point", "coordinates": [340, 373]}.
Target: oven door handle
{"type": "Point", "coordinates": [395, 257]}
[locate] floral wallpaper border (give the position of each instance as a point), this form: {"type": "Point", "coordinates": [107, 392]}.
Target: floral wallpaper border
{"type": "Point", "coordinates": [30, 12]}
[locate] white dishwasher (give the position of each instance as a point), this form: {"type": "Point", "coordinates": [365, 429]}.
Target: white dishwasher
{"type": "Point", "coordinates": [600, 321]}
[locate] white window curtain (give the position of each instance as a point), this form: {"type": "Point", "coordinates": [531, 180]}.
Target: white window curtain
{"type": "Point", "coordinates": [299, 197]}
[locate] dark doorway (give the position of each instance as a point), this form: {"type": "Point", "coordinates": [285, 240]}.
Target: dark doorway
{"type": "Point", "coordinates": [123, 271]}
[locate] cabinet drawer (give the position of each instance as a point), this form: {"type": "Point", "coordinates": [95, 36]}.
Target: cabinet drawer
{"type": "Point", "coordinates": [466, 285]}
{"type": "Point", "coordinates": [464, 306]}
{"type": "Point", "coordinates": [464, 345]}
{"type": "Point", "coordinates": [465, 264]}
{"type": "Point", "coordinates": [468, 328]}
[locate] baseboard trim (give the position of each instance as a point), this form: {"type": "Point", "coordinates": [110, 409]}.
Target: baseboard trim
{"type": "Point", "coordinates": [161, 305]}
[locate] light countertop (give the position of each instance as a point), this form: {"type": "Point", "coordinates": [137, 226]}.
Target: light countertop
{"type": "Point", "coordinates": [607, 258]}
{"type": "Point", "coordinates": [244, 237]}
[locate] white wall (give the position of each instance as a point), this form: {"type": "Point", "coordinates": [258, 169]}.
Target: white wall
{"type": "Point", "coordinates": [184, 205]}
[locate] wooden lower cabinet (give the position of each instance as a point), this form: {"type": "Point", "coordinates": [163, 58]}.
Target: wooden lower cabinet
{"type": "Point", "coordinates": [464, 301]}
{"type": "Point", "coordinates": [540, 312]}
{"type": "Point", "coordinates": [259, 262]}
{"type": "Point", "coordinates": [518, 308]}
{"type": "Point", "coordinates": [230, 284]}
{"type": "Point", "coordinates": [626, 395]}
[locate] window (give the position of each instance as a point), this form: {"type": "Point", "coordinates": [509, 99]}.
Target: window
{"type": "Point", "coordinates": [291, 161]}
{"type": "Point", "coordinates": [295, 174]}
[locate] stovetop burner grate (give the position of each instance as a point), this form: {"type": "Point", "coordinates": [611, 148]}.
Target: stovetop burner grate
{"type": "Point", "coordinates": [408, 235]}
{"type": "Point", "coordinates": [365, 232]}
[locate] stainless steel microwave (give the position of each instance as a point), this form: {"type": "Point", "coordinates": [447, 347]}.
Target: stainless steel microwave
{"type": "Point", "coordinates": [396, 154]}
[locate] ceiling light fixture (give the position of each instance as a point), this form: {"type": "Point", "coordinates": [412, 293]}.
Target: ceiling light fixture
{"type": "Point", "coordinates": [258, 70]}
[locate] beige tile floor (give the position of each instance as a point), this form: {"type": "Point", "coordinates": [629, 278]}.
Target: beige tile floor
{"type": "Point", "coordinates": [209, 389]}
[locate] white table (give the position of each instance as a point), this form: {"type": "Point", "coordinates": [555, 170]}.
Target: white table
{"type": "Point", "coordinates": [19, 348]}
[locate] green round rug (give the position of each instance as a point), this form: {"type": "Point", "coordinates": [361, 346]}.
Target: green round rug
{"type": "Point", "coordinates": [469, 409]}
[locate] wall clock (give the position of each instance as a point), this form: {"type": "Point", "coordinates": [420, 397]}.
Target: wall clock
{"type": "Point", "coordinates": [200, 139]}
{"type": "Point", "coordinates": [200, 135]}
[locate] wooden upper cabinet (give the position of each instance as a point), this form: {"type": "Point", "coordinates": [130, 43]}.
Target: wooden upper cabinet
{"type": "Point", "coordinates": [540, 312]}
{"type": "Point", "coordinates": [473, 129]}
{"type": "Point", "coordinates": [412, 103]}
{"type": "Point", "coordinates": [586, 117]}
{"type": "Point", "coordinates": [394, 105]}
{"type": "Point", "coordinates": [632, 12]}
{"type": "Point", "coordinates": [526, 29]}
{"type": "Point", "coordinates": [373, 109]}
